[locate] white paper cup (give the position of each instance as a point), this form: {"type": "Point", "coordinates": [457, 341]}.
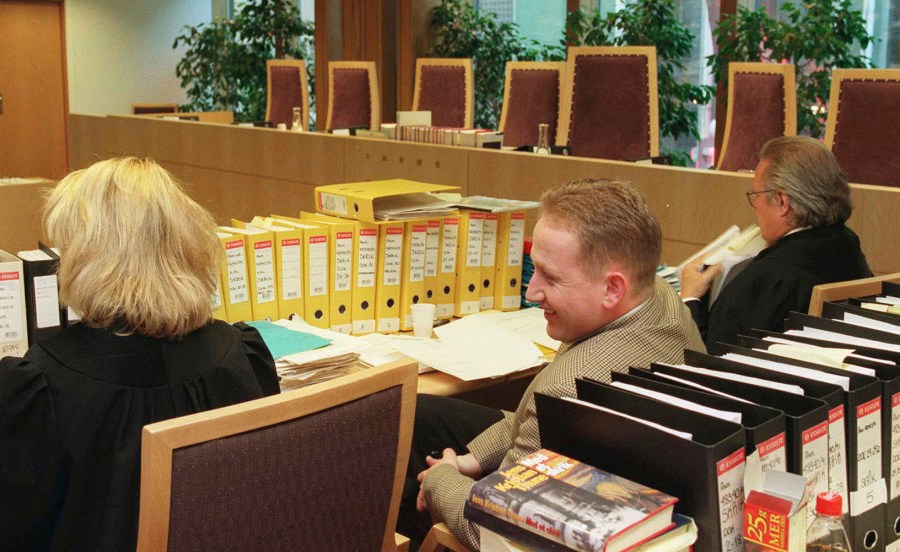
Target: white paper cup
{"type": "Point", "coordinates": [423, 319]}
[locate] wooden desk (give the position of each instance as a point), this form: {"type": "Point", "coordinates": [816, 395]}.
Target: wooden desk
{"type": "Point", "coordinates": [240, 172]}
{"type": "Point", "coordinates": [504, 392]}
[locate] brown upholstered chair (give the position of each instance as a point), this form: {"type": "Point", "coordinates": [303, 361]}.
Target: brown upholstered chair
{"type": "Point", "coordinates": [143, 109]}
{"type": "Point", "coordinates": [863, 127]}
{"type": "Point", "coordinates": [287, 88]}
{"type": "Point", "coordinates": [762, 104]}
{"type": "Point", "coordinates": [609, 108]}
{"type": "Point", "coordinates": [319, 468]}
{"type": "Point", "coordinates": [531, 94]}
{"type": "Point", "coordinates": [445, 87]}
{"type": "Point", "coordinates": [353, 99]}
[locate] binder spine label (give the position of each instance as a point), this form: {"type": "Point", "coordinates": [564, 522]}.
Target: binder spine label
{"type": "Point", "coordinates": [291, 269]}
{"type": "Point", "coordinates": [772, 453]}
{"type": "Point", "coordinates": [361, 327]}
{"type": "Point", "coordinates": [11, 307]}
{"type": "Point", "coordinates": [417, 253]}
{"type": "Point", "coordinates": [489, 240]}
{"type": "Point", "coordinates": [837, 455]}
{"type": "Point", "coordinates": [511, 302]}
{"type": "Point", "coordinates": [895, 446]}
{"type": "Point", "coordinates": [46, 301]}
{"type": "Point", "coordinates": [265, 274]}
{"type": "Point", "coordinates": [815, 458]}
{"type": "Point", "coordinates": [516, 245]}
{"type": "Point", "coordinates": [474, 239]}
{"type": "Point", "coordinates": [393, 257]}
{"type": "Point", "coordinates": [868, 455]}
{"type": "Point", "coordinates": [432, 248]}
{"type": "Point", "coordinates": [368, 247]}
{"type": "Point", "coordinates": [318, 266]}
{"type": "Point", "coordinates": [343, 261]}
{"type": "Point", "coordinates": [333, 203]}
{"type": "Point", "coordinates": [236, 265]}
{"type": "Point", "coordinates": [730, 481]}
{"type": "Point", "coordinates": [449, 243]}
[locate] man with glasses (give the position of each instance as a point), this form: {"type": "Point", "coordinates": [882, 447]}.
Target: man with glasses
{"type": "Point", "coordinates": [801, 199]}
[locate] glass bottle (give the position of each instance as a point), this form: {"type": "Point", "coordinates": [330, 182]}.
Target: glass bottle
{"type": "Point", "coordinates": [297, 124]}
{"type": "Point", "coordinates": [543, 145]}
{"type": "Point", "coordinates": [826, 533]}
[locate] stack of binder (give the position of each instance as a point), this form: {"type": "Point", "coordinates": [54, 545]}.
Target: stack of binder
{"type": "Point", "coordinates": [13, 313]}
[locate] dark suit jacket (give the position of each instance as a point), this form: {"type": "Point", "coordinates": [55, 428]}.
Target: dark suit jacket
{"type": "Point", "coordinates": [780, 280]}
{"type": "Point", "coordinates": [71, 414]}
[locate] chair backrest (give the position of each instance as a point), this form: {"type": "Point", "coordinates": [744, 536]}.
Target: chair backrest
{"type": "Point", "coordinates": [610, 108]}
{"type": "Point", "coordinates": [531, 94]}
{"type": "Point", "coordinates": [287, 88]}
{"type": "Point", "coordinates": [863, 126]}
{"type": "Point", "coordinates": [445, 87]}
{"type": "Point", "coordinates": [838, 291]}
{"type": "Point", "coordinates": [353, 99]}
{"type": "Point", "coordinates": [142, 109]}
{"type": "Point", "coordinates": [762, 104]}
{"type": "Point", "coordinates": [319, 468]}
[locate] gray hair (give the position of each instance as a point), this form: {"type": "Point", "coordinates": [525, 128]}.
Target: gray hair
{"type": "Point", "coordinates": [806, 170]}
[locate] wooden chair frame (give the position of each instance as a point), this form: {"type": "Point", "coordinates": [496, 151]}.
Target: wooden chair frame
{"type": "Point", "coordinates": [439, 538]}
{"type": "Point", "coordinates": [374, 94]}
{"type": "Point", "coordinates": [304, 84]}
{"type": "Point", "coordinates": [160, 439]}
{"type": "Point", "coordinates": [838, 291]}
{"type": "Point", "coordinates": [558, 66]}
{"type": "Point", "coordinates": [565, 105]}
{"type": "Point", "coordinates": [465, 63]}
{"type": "Point", "coordinates": [834, 96]}
{"type": "Point", "coordinates": [788, 73]}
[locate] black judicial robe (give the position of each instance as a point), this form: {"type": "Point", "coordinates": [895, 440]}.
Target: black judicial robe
{"type": "Point", "coordinates": [779, 280]}
{"type": "Point", "coordinates": [71, 414]}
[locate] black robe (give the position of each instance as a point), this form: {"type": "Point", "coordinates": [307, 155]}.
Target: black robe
{"type": "Point", "coordinates": [71, 414]}
{"type": "Point", "coordinates": [780, 280]}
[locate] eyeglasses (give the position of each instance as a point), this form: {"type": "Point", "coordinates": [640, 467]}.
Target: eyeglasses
{"type": "Point", "coordinates": [751, 196]}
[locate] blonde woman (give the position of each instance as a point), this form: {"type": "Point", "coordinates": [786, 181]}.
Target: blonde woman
{"type": "Point", "coordinates": [138, 263]}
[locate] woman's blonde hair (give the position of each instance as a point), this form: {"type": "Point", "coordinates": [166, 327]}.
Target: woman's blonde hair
{"type": "Point", "coordinates": [137, 255]}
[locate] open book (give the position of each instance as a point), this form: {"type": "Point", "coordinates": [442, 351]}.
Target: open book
{"type": "Point", "coordinates": [731, 248]}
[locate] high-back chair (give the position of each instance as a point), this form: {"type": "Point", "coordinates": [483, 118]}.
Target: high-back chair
{"type": "Point", "coordinates": [287, 88]}
{"type": "Point", "coordinates": [145, 108]}
{"type": "Point", "coordinates": [445, 87]}
{"type": "Point", "coordinates": [762, 104]}
{"type": "Point", "coordinates": [531, 94]}
{"type": "Point", "coordinates": [319, 468]}
{"type": "Point", "coordinates": [353, 99]}
{"type": "Point", "coordinates": [610, 107]}
{"type": "Point", "coordinates": [863, 126]}
{"type": "Point", "coordinates": [838, 291]}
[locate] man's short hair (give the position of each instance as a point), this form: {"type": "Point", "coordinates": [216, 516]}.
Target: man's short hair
{"type": "Point", "coordinates": [613, 224]}
{"type": "Point", "coordinates": [137, 254]}
{"type": "Point", "coordinates": [806, 170]}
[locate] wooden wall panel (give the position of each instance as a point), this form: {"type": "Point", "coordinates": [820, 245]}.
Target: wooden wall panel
{"type": "Point", "coordinates": [20, 215]}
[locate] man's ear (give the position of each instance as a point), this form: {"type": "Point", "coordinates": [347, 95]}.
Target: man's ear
{"type": "Point", "coordinates": [783, 203]}
{"type": "Point", "coordinates": [616, 288]}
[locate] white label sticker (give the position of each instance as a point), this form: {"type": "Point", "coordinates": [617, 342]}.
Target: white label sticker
{"type": "Point", "coordinates": [814, 453]}
{"type": "Point", "coordinates": [217, 295]}
{"type": "Point", "coordinates": [393, 258]}
{"type": "Point", "coordinates": [474, 240]}
{"type": "Point", "coordinates": [362, 327]}
{"type": "Point", "coordinates": [837, 455]}
{"type": "Point", "coordinates": [72, 315]}
{"type": "Point", "coordinates": [46, 301]}
{"type": "Point", "coordinates": [730, 479]}
{"type": "Point", "coordinates": [449, 243]}
{"type": "Point", "coordinates": [432, 248]}
{"type": "Point", "coordinates": [236, 264]}
{"type": "Point", "coordinates": [516, 244]}
{"type": "Point", "coordinates": [318, 266]}
{"type": "Point", "coordinates": [291, 269]}
{"type": "Point", "coordinates": [469, 307]}
{"type": "Point", "coordinates": [386, 325]}
{"type": "Point", "coordinates": [486, 303]}
{"type": "Point", "coordinates": [11, 307]}
{"type": "Point", "coordinates": [489, 240]}
{"type": "Point", "coordinates": [343, 261]}
{"type": "Point", "coordinates": [772, 455]}
{"type": "Point", "coordinates": [263, 260]}
{"type": "Point", "coordinates": [333, 203]}
{"type": "Point", "coordinates": [368, 253]}
{"type": "Point", "coordinates": [868, 449]}
{"type": "Point", "coordinates": [417, 253]}
{"type": "Point", "coordinates": [511, 302]}
{"type": "Point", "coordinates": [895, 446]}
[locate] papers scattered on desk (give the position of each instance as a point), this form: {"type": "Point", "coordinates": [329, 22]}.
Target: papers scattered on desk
{"type": "Point", "coordinates": [313, 366]}
{"type": "Point", "coordinates": [528, 323]}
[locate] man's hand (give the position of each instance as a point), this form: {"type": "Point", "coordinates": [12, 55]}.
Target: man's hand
{"type": "Point", "coordinates": [696, 281]}
{"type": "Point", "coordinates": [466, 465]}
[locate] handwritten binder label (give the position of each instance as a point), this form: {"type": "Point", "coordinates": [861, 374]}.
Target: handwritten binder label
{"type": "Point", "coordinates": [333, 203]}
{"type": "Point", "coordinates": [474, 239]}
{"type": "Point", "coordinates": [291, 269]}
{"type": "Point", "coordinates": [868, 455]}
{"type": "Point", "coordinates": [516, 245]}
{"type": "Point", "coordinates": [417, 253]}
{"type": "Point", "coordinates": [449, 243]}
{"type": "Point", "coordinates": [236, 268]}
{"type": "Point", "coordinates": [343, 261]}
{"type": "Point", "coordinates": [837, 455]}
{"type": "Point", "coordinates": [265, 271]}
{"type": "Point", "coordinates": [393, 256]}
{"type": "Point", "coordinates": [318, 266]}
{"type": "Point", "coordinates": [814, 459]}
{"type": "Point", "coordinates": [772, 454]}
{"type": "Point", "coordinates": [432, 248]}
{"type": "Point", "coordinates": [489, 240]}
{"type": "Point", "coordinates": [368, 246]}
{"type": "Point", "coordinates": [895, 446]}
{"type": "Point", "coordinates": [730, 479]}
{"type": "Point", "coordinates": [10, 307]}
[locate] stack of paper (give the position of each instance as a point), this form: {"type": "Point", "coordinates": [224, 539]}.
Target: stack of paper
{"type": "Point", "coordinates": [339, 357]}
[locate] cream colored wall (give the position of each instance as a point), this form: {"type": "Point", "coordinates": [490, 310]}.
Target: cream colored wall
{"type": "Point", "coordinates": [120, 52]}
